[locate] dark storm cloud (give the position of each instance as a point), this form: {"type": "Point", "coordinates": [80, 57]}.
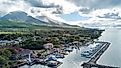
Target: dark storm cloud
{"type": "Point", "coordinates": [85, 10]}
{"type": "Point", "coordinates": [39, 3]}
{"type": "Point", "coordinates": [97, 3]}
{"type": "Point", "coordinates": [35, 3]}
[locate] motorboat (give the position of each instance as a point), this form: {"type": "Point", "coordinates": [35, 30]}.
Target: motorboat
{"type": "Point", "coordinates": [52, 63]}
{"type": "Point", "coordinates": [91, 51]}
{"type": "Point", "coordinates": [51, 57]}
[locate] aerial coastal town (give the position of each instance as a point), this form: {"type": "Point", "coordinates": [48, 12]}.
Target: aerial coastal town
{"type": "Point", "coordinates": [43, 46]}
{"type": "Point", "coordinates": [60, 33]}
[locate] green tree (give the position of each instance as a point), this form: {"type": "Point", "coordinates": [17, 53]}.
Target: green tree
{"type": "Point", "coordinates": [6, 53]}
{"type": "Point", "coordinates": [2, 60]}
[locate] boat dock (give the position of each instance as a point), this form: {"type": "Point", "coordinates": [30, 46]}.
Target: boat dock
{"type": "Point", "coordinates": [92, 62]}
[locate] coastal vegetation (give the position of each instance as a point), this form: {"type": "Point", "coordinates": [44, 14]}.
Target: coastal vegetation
{"type": "Point", "coordinates": [5, 54]}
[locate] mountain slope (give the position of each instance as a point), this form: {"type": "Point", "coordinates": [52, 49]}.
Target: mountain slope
{"type": "Point", "coordinates": [22, 16]}
{"type": "Point", "coordinates": [16, 24]}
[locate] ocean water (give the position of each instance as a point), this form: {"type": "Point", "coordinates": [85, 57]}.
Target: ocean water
{"type": "Point", "coordinates": [112, 56]}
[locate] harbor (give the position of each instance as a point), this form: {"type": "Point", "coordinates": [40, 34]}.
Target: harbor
{"type": "Point", "coordinates": [93, 60]}
{"type": "Point", "coordinates": [102, 47]}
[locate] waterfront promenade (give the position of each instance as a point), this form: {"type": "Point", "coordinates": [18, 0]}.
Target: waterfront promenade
{"type": "Point", "coordinates": [96, 56]}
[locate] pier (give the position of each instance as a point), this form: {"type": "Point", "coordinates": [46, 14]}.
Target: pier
{"type": "Point", "coordinates": [92, 62]}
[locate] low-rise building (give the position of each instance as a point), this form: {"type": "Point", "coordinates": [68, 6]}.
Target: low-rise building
{"type": "Point", "coordinates": [48, 45]}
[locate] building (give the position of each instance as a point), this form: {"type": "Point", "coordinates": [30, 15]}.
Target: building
{"type": "Point", "coordinates": [48, 45]}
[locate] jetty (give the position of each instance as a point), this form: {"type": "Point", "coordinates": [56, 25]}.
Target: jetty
{"type": "Point", "coordinates": [92, 62]}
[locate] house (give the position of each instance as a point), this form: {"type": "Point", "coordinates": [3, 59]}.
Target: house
{"type": "Point", "coordinates": [48, 45]}
{"type": "Point", "coordinates": [20, 54]}
{"type": "Point", "coordinates": [23, 53]}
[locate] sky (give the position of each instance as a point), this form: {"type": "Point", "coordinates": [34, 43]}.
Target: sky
{"type": "Point", "coordinates": [78, 12]}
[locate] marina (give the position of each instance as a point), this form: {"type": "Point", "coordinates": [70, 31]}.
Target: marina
{"type": "Point", "coordinates": [96, 56]}
{"type": "Point", "coordinates": [100, 48]}
{"type": "Point", "coordinates": [91, 51]}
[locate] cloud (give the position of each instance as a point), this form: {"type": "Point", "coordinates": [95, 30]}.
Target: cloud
{"type": "Point", "coordinates": [67, 6]}
{"type": "Point", "coordinates": [7, 6]}
{"type": "Point", "coordinates": [113, 13]}
{"type": "Point", "coordinates": [97, 11]}
{"type": "Point", "coordinates": [85, 10]}
{"type": "Point", "coordinates": [111, 16]}
{"type": "Point", "coordinates": [75, 16]}
{"type": "Point", "coordinates": [25, 5]}
{"type": "Point", "coordinates": [97, 3]}
{"type": "Point", "coordinates": [103, 17]}
{"type": "Point", "coordinates": [35, 3]}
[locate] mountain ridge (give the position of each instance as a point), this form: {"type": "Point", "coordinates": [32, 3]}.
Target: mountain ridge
{"type": "Point", "coordinates": [20, 16]}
